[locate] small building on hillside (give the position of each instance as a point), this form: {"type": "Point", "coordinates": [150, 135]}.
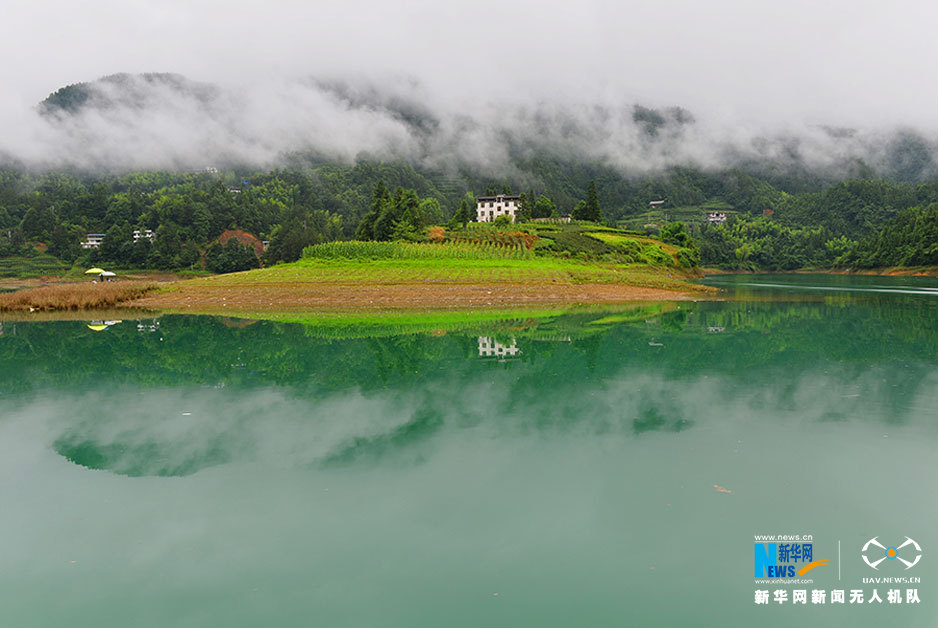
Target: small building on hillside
{"type": "Point", "coordinates": [655, 204]}
{"type": "Point", "coordinates": [92, 240]}
{"type": "Point", "coordinates": [716, 218]}
{"type": "Point", "coordinates": [488, 208]}
{"type": "Point", "coordinates": [144, 233]}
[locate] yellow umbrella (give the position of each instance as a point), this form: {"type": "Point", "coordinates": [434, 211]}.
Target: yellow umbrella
{"type": "Point", "coordinates": [98, 327]}
{"type": "Point", "coordinates": [94, 271]}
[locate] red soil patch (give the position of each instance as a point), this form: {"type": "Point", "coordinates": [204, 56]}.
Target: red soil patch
{"type": "Point", "coordinates": [244, 238]}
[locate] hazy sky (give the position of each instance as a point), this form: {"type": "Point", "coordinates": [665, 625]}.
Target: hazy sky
{"type": "Point", "coordinates": [735, 62]}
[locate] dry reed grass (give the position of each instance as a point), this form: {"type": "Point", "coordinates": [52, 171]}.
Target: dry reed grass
{"type": "Point", "coordinates": [75, 296]}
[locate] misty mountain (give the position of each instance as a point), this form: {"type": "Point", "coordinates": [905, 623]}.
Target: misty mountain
{"type": "Point", "coordinates": [133, 91]}
{"type": "Point", "coordinates": [167, 121]}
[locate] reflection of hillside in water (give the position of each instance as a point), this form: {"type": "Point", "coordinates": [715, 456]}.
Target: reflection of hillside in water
{"type": "Point", "coordinates": [181, 394]}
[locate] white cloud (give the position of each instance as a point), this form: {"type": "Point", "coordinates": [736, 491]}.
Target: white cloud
{"type": "Point", "coordinates": [484, 69]}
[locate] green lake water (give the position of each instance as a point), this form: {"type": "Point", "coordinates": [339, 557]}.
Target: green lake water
{"type": "Point", "coordinates": [599, 467]}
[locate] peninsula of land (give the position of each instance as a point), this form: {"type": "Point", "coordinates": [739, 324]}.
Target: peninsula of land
{"type": "Point", "coordinates": [492, 269]}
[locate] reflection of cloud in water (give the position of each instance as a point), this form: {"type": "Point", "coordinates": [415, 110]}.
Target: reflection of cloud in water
{"type": "Point", "coordinates": [180, 432]}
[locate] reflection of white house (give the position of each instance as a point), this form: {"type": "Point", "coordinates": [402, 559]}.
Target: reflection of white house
{"type": "Point", "coordinates": [155, 325]}
{"type": "Point", "coordinates": [717, 218]}
{"type": "Point", "coordinates": [488, 208]}
{"type": "Point", "coordinates": [491, 348]}
{"type": "Point", "coordinates": [716, 329]}
{"type": "Point", "coordinates": [550, 338]}
{"type": "Point", "coordinates": [92, 241]}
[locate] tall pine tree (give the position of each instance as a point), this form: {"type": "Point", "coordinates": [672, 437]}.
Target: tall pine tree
{"type": "Point", "coordinates": [593, 212]}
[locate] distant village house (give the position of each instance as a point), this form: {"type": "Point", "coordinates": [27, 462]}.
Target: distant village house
{"type": "Point", "coordinates": [488, 208]}
{"type": "Point", "coordinates": [716, 218]}
{"type": "Point", "coordinates": [92, 241]}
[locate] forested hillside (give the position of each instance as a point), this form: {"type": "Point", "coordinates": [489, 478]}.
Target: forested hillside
{"type": "Point", "coordinates": [313, 201]}
{"type": "Point", "coordinates": [767, 208]}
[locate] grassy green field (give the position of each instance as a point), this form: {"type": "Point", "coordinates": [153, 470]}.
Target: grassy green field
{"type": "Point", "coordinates": [477, 267]}
{"type": "Point", "coordinates": [578, 254]}
{"type": "Point", "coordinates": [466, 271]}
{"type": "Point", "coordinates": [37, 266]}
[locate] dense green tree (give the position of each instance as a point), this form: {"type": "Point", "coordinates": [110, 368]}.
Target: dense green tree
{"type": "Point", "coordinates": [117, 246]}
{"type": "Point", "coordinates": [430, 211]}
{"type": "Point", "coordinates": [589, 209]}
{"type": "Point", "coordinates": [462, 216]}
{"type": "Point", "coordinates": [232, 257]}
{"type": "Point", "coordinates": [64, 243]}
{"type": "Point", "coordinates": [380, 199]}
{"type": "Point", "coordinates": [140, 252]}
{"type": "Point", "coordinates": [166, 248]}
{"type": "Point", "coordinates": [544, 207]}
{"type": "Point", "coordinates": [675, 233]}
{"type": "Point", "coordinates": [525, 208]}
{"type": "Point", "coordinates": [289, 240]}
{"type": "Point", "coordinates": [911, 239]}
{"type": "Point", "coordinates": [38, 223]}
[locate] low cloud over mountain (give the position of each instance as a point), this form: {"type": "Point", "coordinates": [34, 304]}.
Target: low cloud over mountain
{"type": "Point", "coordinates": [136, 121]}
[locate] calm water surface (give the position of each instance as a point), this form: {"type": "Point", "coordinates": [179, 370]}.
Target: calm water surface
{"type": "Point", "coordinates": [599, 468]}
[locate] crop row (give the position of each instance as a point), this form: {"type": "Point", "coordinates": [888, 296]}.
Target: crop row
{"type": "Point", "coordinates": [356, 250]}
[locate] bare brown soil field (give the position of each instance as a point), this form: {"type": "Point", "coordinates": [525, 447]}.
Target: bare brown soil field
{"type": "Point", "coordinates": [204, 297]}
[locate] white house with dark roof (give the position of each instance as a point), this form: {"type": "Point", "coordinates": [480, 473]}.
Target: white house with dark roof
{"type": "Point", "coordinates": [488, 208]}
{"type": "Point", "coordinates": [716, 218]}
{"type": "Point", "coordinates": [92, 240]}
